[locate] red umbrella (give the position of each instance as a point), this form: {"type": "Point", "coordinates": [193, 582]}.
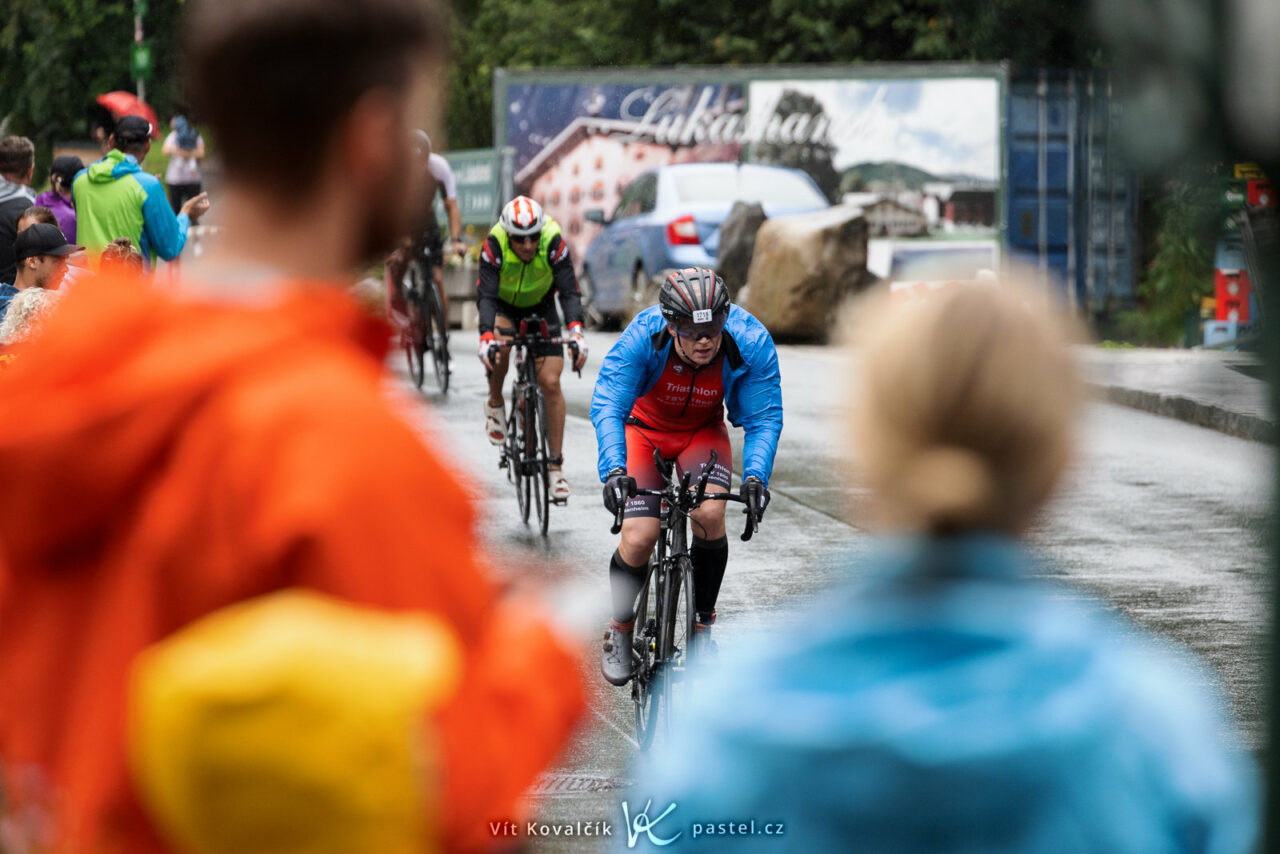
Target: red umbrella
{"type": "Point", "coordinates": [122, 104]}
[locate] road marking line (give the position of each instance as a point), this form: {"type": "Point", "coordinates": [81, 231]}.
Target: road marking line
{"type": "Point", "coordinates": [601, 716]}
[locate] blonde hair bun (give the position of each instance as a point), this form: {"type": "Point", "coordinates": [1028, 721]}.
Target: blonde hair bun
{"type": "Point", "coordinates": [963, 407]}
{"type": "Point", "coordinates": [947, 488]}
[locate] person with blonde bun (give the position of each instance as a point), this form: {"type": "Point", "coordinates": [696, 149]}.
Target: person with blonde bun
{"type": "Point", "coordinates": [949, 696]}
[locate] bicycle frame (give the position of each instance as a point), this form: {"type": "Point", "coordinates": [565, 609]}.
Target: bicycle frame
{"type": "Point", "coordinates": [661, 660]}
{"type": "Point", "coordinates": [526, 456]}
{"type": "Point", "coordinates": [427, 325]}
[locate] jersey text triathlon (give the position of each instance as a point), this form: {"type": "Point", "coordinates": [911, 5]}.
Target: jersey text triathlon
{"type": "Point", "coordinates": [683, 398]}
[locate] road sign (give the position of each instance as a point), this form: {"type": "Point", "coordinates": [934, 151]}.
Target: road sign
{"type": "Point", "coordinates": [476, 172]}
{"type": "Point", "coordinates": [141, 60]}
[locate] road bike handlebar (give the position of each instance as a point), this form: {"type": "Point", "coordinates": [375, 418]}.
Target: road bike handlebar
{"type": "Point", "coordinates": [529, 334]}
{"type": "Point", "coordinates": [677, 495]}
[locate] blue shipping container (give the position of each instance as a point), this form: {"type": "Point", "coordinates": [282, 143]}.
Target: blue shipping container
{"type": "Point", "coordinates": [1071, 205]}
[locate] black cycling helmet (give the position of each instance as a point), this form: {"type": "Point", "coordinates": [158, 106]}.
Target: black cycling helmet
{"type": "Point", "coordinates": [694, 295]}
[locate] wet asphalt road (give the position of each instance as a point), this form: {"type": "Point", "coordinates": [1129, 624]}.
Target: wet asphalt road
{"type": "Point", "coordinates": [1157, 518]}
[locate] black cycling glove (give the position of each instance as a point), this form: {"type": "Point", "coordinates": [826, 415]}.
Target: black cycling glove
{"type": "Point", "coordinates": [755, 494]}
{"type": "Point", "coordinates": [618, 487]}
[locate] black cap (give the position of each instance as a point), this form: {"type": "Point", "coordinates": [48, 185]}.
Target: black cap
{"type": "Point", "coordinates": [132, 130]}
{"type": "Point", "coordinates": [41, 239]}
{"type": "Point", "coordinates": [66, 165]}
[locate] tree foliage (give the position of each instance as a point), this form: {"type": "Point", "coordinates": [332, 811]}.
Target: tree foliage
{"type": "Point", "coordinates": [56, 56]}
{"type": "Point", "coordinates": [592, 33]}
{"type": "Point", "coordinates": [1188, 217]}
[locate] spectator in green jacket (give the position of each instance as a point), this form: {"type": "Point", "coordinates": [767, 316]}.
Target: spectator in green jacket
{"type": "Point", "coordinates": [115, 198]}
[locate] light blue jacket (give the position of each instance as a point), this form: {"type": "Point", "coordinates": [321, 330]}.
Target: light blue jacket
{"type": "Point", "coordinates": [752, 387]}
{"type": "Point", "coordinates": [947, 702]}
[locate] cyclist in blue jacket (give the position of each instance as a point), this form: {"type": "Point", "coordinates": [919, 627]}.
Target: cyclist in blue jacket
{"type": "Point", "coordinates": [666, 384]}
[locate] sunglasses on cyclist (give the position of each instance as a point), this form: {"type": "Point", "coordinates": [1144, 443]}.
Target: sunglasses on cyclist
{"type": "Point", "coordinates": [707, 325]}
{"type": "Point", "coordinates": [534, 238]}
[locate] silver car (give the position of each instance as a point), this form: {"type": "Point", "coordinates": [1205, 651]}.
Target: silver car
{"type": "Point", "coordinates": [669, 218]}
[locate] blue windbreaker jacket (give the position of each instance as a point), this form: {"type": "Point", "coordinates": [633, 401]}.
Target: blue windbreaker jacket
{"type": "Point", "coordinates": [752, 387]}
{"type": "Point", "coordinates": [946, 699]}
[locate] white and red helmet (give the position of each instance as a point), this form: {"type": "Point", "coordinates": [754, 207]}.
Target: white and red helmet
{"type": "Point", "coordinates": [521, 217]}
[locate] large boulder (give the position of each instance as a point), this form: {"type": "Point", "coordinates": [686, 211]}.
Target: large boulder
{"type": "Point", "coordinates": [803, 267]}
{"type": "Point", "coordinates": [737, 243]}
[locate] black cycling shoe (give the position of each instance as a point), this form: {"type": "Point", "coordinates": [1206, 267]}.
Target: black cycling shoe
{"type": "Point", "coordinates": [702, 649]}
{"type": "Point", "coordinates": [616, 663]}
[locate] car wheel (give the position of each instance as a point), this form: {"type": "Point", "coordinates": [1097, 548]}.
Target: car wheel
{"type": "Point", "coordinates": [639, 285]}
{"type": "Point", "coordinates": [591, 315]}
{"type": "Point", "coordinates": [644, 291]}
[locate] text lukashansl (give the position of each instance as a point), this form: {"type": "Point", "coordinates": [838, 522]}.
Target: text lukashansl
{"type": "Point", "coordinates": [738, 828]}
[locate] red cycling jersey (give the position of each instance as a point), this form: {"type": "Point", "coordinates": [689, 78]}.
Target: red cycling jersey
{"type": "Point", "coordinates": [683, 398]}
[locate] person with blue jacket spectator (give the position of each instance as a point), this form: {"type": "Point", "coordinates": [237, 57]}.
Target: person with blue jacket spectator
{"type": "Point", "coordinates": [115, 198]}
{"type": "Point", "coordinates": [666, 385]}
{"type": "Point", "coordinates": [952, 696]}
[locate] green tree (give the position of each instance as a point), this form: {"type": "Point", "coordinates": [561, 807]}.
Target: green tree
{"type": "Point", "coordinates": [591, 33]}
{"type": "Point", "coordinates": [56, 56]}
{"type": "Point", "coordinates": [1180, 274]}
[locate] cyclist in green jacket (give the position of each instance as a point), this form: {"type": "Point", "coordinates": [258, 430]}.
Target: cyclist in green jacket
{"type": "Point", "coordinates": [524, 265]}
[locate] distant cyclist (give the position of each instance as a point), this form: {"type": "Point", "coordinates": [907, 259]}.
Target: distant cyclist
{"type": "Point", "coordinates": [666, 384]}
{"type": "Point", "coordinates": [435, 176]}
{"type": "Point", "coordinates": [524, 266]}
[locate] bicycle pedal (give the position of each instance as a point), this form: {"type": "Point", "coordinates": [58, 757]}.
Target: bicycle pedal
{"type": "Point", "coordinates": [560, 501]}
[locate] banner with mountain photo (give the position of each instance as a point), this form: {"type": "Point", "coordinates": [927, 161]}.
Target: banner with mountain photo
{"type": "Point", "coordinates": [917, 147]}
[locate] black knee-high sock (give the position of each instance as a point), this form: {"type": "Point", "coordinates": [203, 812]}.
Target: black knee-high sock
{"type": "Point", "coordinates": [624, 584]}
{"type": "Point", "coordinates": [709, 560]}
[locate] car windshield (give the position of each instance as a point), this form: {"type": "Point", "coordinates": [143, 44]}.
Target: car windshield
{"type": "Point", "coordinates": [756, 185]}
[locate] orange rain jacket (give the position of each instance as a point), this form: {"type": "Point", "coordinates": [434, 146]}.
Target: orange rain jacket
{"type": "Point", "coordinates": [161, 459]}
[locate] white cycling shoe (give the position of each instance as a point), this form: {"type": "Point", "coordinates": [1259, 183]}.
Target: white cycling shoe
{"type": "Point", "coordinates": [494, 423]}
{"type": "Point", "coordinates": [559, 487]}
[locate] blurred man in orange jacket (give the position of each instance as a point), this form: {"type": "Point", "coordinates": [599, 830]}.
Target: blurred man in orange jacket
{"type": "Point", "coordinates": [168, 454]}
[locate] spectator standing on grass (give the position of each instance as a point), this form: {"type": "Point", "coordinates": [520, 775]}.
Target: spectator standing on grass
{"type": "Point", "coordinates": [949, 697]}
{"type": "Point", "coordinates": [17, 163]}
{"type": "Point", "coordinates": [185, 148]}
{"type": "Point", "coordinates": [58, 197]}
{"type": "Point", "coordinates": [230, 436]}
{"type": "Point", "coordinates": [115, 198]}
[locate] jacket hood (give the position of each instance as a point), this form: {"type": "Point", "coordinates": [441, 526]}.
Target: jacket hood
{"type": "Point", "coordinates": [10, 191]}
{"type": "Point", "coordinates": [96, 406]}
{"type": "Point", "coordinates": [113, 167]}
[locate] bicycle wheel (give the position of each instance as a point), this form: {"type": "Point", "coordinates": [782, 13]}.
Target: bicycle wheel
{"type": "Point", "coordinates": [644, 693]}
{"type": "Point", "coordinates": [438, 338]}
{"type": "Point", "coordinates": [678, 634]}
{"type": "Point", "coordinates": [538, 458]}
{"type": "Point", "coordinates": [517, 432]}
{"type": "Point", "coordinates": [411, 340]}
{"type": "Point", "coordinates": [415, 344]}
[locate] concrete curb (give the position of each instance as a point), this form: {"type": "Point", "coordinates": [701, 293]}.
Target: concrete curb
{"type": "Point", "coordinates": [1191, 411]}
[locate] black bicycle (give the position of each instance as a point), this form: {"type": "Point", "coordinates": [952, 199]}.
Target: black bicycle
{"type": "Point", "coordinates": [661, 641]}
{"type": "Point", "coordinates": [428, 329]}
{"type": "Point", "coordinates": [525, 454]}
